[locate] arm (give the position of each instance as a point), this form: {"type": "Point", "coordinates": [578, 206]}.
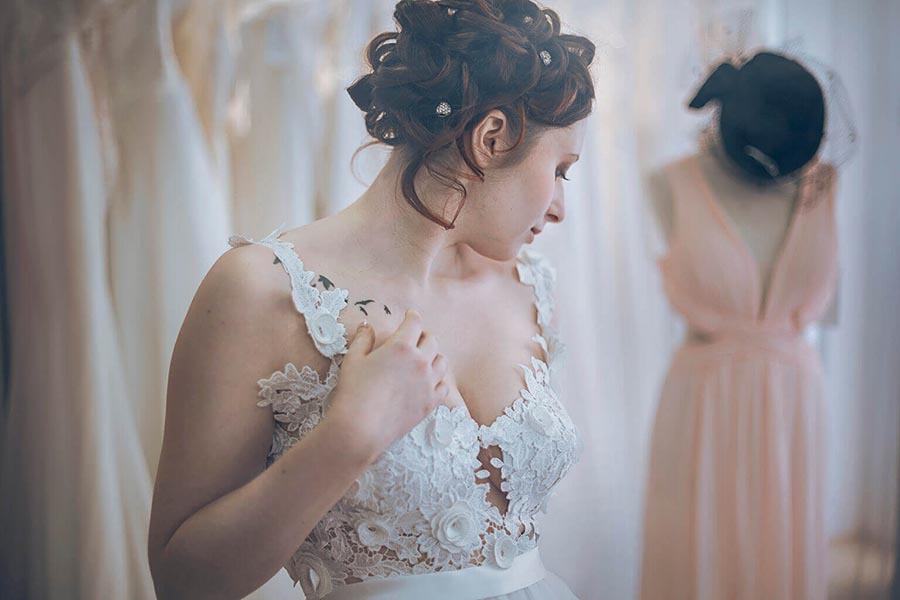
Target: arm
{"type": "Point", "coordinates": [220, 525]}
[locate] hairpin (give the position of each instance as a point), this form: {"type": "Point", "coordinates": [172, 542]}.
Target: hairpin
{"type": "Point", "coordinates": [546, 57]}
{"type": "Point", "coordinates": [443, 108]}
{"type": "Point", "coordinates": [763, 159]}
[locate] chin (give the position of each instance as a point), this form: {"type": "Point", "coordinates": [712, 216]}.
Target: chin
{"type": "Point", "coordinates": [504, 254]}
{"type": "Point", "coordinates": [501, 252]}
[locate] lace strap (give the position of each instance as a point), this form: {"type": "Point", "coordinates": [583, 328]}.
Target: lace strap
{"type": "Point", "coordinates": [320, 309]}
{"type": "Point", "coordinates": [537, 271]}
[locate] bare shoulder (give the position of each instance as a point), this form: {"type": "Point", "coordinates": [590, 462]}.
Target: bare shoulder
{"type": "Point", "coordinates": [240, 327]}
{"type": "Point", "coordinates": [323, 249]}
{"type": "Point", "coordinates": [245, 301]}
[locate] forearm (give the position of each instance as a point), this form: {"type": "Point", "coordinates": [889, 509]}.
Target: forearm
{"type": "Point", "coordinates": [235, 544]}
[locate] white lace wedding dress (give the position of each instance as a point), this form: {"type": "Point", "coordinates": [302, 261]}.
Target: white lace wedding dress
{"type": "Point", "coordinates": [417, 524]}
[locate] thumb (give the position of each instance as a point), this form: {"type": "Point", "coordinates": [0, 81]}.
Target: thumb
{"type": "Point", "coordinates": [363, 341]}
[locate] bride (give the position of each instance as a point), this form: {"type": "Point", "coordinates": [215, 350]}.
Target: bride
{"type": "Point", "coordinates": [411, 460]}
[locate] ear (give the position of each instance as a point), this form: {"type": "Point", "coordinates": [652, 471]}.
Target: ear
{"type": "Point", "coordinates": [489, 136]}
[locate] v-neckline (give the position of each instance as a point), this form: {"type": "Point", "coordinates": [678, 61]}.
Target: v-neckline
{"type": "Point", "coordinates": [519, 260]}
{"type": "Point", "coordinates": [521, 399]}
{"type": "Point", "coordinates": [761, 295]}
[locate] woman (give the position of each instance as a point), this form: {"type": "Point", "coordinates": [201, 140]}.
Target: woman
{"type": "Point", "coordinates": [403, 469]}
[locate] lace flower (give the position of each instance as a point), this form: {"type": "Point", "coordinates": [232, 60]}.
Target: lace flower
{"type": "Point", "coordinates": [313, 575]}
{"type": "Point", "coordinates": [454, 528]}
{"type": "Point", "coordinates": [363, 489]}
{"type": "Point", "coordinates": [374, 532]}
{"type": "Point", "coordinates": [441, 431]}
{"type": "Point", "coordinates": [501, 550]}
{"type": "Point", "coordinates": [325, 329]}
{"type": "Point", "coordinates": [541, 420]}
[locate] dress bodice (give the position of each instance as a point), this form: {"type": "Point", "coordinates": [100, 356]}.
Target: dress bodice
{"type": "Point", "coordinates": [419, 508]}
{"type": "Point", "coordinates": [712, 278]}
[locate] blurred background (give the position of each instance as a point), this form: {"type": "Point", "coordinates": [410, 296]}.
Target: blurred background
{"type": "Point", "coordinates": [137, 135]}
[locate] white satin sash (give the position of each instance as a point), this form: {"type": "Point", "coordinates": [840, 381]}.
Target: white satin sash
{"type": "Point", "coordinates": [470, 583]}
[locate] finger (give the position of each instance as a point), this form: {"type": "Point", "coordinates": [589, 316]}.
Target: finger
{"type": "Point", "coordinates": [440, 370]}
{"type": "Point", "coordinates": [410, 329]}
{"type": "Point", "coordinates": [428, 345]}
{"type": "Point", "coordinates": [363, 340]}
{"type": "Point", "coordinates": [439, 365]}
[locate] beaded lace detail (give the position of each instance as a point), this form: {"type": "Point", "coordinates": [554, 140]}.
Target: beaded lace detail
{"type": "Point", "coordinates": [418, 508]}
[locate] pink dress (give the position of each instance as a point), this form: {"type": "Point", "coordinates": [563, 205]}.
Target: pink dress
{"type": "Point", "coordinates": [735, 490]}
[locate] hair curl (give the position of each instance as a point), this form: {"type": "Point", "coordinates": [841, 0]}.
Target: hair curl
{"type": "Point", "coordinates": [477, 55]}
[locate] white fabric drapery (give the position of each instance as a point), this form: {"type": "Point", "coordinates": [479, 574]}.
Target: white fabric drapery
{"type": "Point", "coordinates": [132, 149]}
{"type": "Point", "coordinates": [75, 487]}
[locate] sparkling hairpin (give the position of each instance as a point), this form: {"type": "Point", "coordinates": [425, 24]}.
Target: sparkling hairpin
{"type": "Point", "coordinates": [443, 108]}
{"type": "Point", "coordinates": [546, 57]}
{"type": "Point", "coordinates": [450, 11]}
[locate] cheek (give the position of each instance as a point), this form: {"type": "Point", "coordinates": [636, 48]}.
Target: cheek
{"type": "Point", "coordinates": [526, 200]}
{"type": "Point", "coordinates": [541, 190]}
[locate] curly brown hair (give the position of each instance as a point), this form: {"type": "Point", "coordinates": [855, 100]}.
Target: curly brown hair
{"type": "Point", "coordinates": [477, 55]}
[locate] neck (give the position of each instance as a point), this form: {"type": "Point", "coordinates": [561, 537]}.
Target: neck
{"type": "Point", "coordinates": [404, 247]}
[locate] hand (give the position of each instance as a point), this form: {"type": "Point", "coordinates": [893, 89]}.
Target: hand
{"type": "Point", "coordinates": [384, 392]}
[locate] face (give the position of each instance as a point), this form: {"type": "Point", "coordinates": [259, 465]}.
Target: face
{"type": "Point", "coordinates": [501, 212]}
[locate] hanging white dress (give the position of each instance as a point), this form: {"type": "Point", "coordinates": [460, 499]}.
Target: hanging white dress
{"type": "Point", "coordinates": [168, 212]}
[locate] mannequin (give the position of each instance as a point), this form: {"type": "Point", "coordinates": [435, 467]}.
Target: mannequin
{"type": "Point", "coordinates": [770, 126]}
{"type": "Point", "coordinates": [735, 494]}
{"type": "Point", "coordinates": [760, 215]}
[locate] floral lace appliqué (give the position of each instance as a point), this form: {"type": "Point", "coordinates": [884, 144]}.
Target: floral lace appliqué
{"type": "Point", "coordinates": [419, 508]}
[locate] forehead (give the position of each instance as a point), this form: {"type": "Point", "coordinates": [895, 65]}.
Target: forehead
{"type": "Point", "coordinates": [564, 139]}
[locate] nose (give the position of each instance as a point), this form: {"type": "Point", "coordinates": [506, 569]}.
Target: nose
{"type": "Point", "coordinates": [557, 212]}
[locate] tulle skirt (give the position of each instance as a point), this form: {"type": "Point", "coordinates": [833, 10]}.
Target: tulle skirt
{"type": "Point", "coordinates": [735, 489]}
{"type": "Point", "coordinates": [550, 587]}
{"type": "Point", "coordinates": [525, 579]}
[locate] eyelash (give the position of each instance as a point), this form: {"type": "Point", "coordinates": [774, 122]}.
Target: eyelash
{"type": "Point", "coordinates": [563, 175]}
